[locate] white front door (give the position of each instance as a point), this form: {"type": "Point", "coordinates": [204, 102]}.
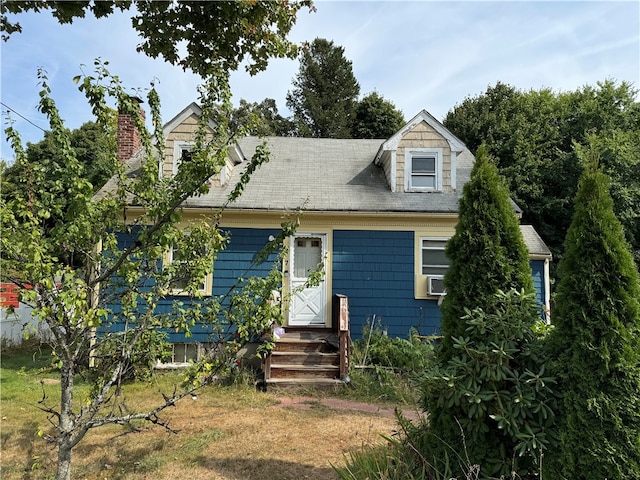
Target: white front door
{"type": "Point", "coordinates": [308, 305]}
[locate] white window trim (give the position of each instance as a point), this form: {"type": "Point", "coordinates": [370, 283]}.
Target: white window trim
{"type": "Point", "coordinates": [178, 146]}
{"type": "Point", "coordinates": [208, 279]}
{"type": "Point", "coordinates": [200, 350]}
{"type": "Point", "coordinates": [422, 279]}
{"type": "Point", "coordinates": [409, 153]}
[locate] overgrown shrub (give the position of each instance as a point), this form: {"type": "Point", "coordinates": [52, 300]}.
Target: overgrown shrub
{"type": "Point", "coordinates": [405, 355]}
{"type": "Point", "coordinates": [399, 458]}
{"type": "Point", "coordinates": [382, 366]}
{"type": "Point", "coordinates": [496, 388]}
{"type": "Point", "coordinates": [487, 255]}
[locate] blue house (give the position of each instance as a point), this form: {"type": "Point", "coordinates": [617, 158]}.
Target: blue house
{"type": "Point", "coordinates": [377, 213]}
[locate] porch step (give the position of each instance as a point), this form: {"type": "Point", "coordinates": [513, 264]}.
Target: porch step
{"type": "Point", "coordinates": [304, 371]}
{"type": "Point", "coordinates": [289, 384]}
{"type": "Point", "coordinates": [305, 358]}
{"type": "Point", "coordinates": [293, 344]}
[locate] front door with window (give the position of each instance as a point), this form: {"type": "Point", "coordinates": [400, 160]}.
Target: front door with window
{"type": "Point", "coordinates": [307, 306]}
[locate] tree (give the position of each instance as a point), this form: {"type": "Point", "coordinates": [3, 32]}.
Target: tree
{"type": "Point", "coordinates": [596, 344]}
{"type": "Point", "coordinates": [104, 305]}
{"type": "Point", "coordinates": [262, 119]}
{"type": "Point", "coordinates": [486, 357]}
{"type": "Point", "coordinates": [94, 150]}
{"type": "Point", "coordinates": [376, 118]}
{"type": "Point", "coordinates": [219, 36]}
{"type": "Point", "coordinates": [532, 135]}
{"type": "Point", "coordinates": [324, 93]}
{"type": "Point", "coordinates": [487, 240]}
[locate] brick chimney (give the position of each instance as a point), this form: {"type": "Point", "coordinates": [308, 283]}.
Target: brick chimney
{"type": "Point", "coordinates": [128, 137]}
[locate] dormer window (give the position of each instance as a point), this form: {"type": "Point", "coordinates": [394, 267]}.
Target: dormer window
{"type": "Point", "coordinates": [181, 153]}
{"type": "Point", "coordinates": [423, 169]}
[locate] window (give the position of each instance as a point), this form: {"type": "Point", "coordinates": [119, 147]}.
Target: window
{"type": "Point", "coordinates": [423, 169]}
{"type": "Point", "coordinates": [178, 259]}
{"type": "Point", "coordinates": [182, 354]}
{"type": "Point", "coordinates": [434, 264]}
{"type": "Point", "coordinates": [181, 153]}
{"type": "Point", "coordinates": [306, 256]}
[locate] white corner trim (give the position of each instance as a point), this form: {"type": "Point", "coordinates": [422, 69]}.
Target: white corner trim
{"type": "Point", "coordinates": [547, 292]}
{"type": "Point", "coordinates": [393, 171]}
{"type": "Point", "coordinates": [454, 169]}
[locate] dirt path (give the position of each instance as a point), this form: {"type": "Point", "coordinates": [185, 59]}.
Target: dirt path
{"type": "Point", "coordinates": [342, 404]}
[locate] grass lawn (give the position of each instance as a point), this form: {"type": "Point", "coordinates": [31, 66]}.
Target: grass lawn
{"type": "Point", "coordinates": [232, 432]}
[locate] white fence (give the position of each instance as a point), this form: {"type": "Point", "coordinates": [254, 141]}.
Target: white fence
{"type": "Point", "coordinates": [19, 325]}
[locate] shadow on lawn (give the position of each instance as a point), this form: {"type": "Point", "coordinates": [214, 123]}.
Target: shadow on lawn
{"type": "Point", "coordinates": [258, 469]}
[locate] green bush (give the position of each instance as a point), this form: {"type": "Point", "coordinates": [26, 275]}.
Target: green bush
{"type": "Point", "coordinates": [495, 387]}
{"type": "Point", "coordinates": [408, 355]}
{"type": "Point", "coordinates": [470, 390]}
{"type": "Point", "coordinates": [382, 367]}
{"type": "Point", "coordinates": [398, 459]}
{"type": "Point", "coordinates": [402, 458]}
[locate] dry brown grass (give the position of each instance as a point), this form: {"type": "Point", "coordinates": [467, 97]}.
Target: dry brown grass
{"type": "Point", "coordinates": [226, 433]}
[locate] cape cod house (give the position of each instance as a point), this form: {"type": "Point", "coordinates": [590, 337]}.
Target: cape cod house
{"type": "Point", "coordinates": [378, 212]}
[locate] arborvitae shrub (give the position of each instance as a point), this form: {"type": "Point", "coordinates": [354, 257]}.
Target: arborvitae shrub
{"type": "Point", "coordinates": [595, 343]}
{"type": "Point", "coordinates": [487, 255]}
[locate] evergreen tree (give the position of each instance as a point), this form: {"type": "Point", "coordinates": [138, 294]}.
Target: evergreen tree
{"type": "Point", "coordinates": [487, 252]}
{"type": "Point", "coordinates": [376, 118]}
{"type": "Point", "coordinates": [486, 358]}
{"type": "Point", "coordinates": [324, 92]}
{"type": "Point", "coordinates": [595, 343]}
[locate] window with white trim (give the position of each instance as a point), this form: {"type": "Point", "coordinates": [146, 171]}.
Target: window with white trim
{"type": "Point", "coordinates": [434, 264]}
{"type": "Point", "coordinates": [181, 153]}
{"type": "Point", "coordinates": [423, 168]}
{"type": "Point", "coordinates": [178, 259]}
{"type": "Point", "coordinates": [183, 354]}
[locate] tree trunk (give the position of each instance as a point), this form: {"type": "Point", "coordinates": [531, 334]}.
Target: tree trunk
{"type": "Point", "coordinates": [67, 423]}
{"type": "Point", "coordinates": [64, 461]}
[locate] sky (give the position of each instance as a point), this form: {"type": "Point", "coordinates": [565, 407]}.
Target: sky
{"type": "Point", "coordinates": [417, 54]}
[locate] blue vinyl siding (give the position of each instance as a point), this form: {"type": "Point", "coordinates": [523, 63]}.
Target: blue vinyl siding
{"type": "Point", "coordinates": [537, 270]}
{"type": "Point", "coordinates": [375, 270]}
{"type": "Point", "coordinates": [238, 260]}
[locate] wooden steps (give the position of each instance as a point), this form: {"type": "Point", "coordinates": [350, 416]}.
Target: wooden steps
{"type": "Point", "coordinates": [304, 358]}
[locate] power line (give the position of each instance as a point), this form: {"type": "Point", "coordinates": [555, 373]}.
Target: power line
{"type": "Point", "coordinates": [22, 116]}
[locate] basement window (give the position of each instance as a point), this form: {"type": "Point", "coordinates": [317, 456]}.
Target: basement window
{"type": "Point", "coordinates": [183, 355]}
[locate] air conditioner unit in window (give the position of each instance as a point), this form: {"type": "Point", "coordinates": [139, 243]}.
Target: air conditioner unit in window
{"type": "Point", "coordinates": [435, 285]}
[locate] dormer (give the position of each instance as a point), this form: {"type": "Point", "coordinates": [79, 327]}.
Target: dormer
{"type": "Point", "coordinates": [421, 157]}
{"type": "Point", "coordinates": [179, 134]}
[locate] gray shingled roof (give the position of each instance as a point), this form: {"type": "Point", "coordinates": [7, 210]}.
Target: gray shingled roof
{"type": "Point", "coordinates": [331, 175]}
{"type": "Point", "coordinates": [534, 243]}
